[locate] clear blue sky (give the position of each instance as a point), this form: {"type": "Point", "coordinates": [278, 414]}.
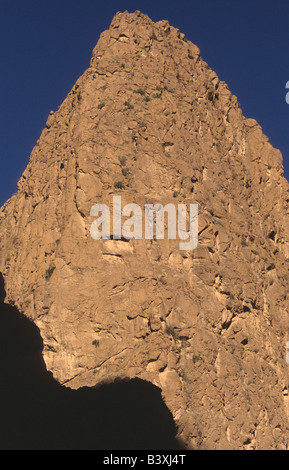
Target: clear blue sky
{"type": "Point", "coordinates": [45, 45]}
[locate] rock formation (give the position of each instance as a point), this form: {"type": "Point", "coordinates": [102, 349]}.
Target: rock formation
{"type": "Point", "coordinates": [151, 122]}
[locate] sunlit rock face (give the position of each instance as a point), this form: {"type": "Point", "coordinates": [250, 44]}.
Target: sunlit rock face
{"type": "Point", "coordinates": [151, 123]}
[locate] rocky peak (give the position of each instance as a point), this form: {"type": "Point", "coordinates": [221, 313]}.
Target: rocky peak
{"type": "Point", "coordinates": [151, 122]}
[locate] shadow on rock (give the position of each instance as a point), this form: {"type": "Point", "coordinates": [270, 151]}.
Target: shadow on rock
{"type": "Point", "coordinates": [39, 414]}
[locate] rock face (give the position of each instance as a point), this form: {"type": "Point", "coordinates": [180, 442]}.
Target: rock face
{"type": "Point", "coordinates": [150, 121]}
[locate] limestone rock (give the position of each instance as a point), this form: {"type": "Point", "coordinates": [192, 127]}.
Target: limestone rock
{"type": "Point", "coordinates": [208, 326]}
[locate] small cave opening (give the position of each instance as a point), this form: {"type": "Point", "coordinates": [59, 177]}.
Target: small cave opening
{"type": "Point", "coordinates": [37, 413]}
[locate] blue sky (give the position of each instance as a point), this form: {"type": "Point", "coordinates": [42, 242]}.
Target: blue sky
{"type": "Point", "coordinates": [45, 45]}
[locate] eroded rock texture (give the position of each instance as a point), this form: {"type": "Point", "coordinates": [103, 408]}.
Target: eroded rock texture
{"type": "Point", "coordinates": [209, 326]}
